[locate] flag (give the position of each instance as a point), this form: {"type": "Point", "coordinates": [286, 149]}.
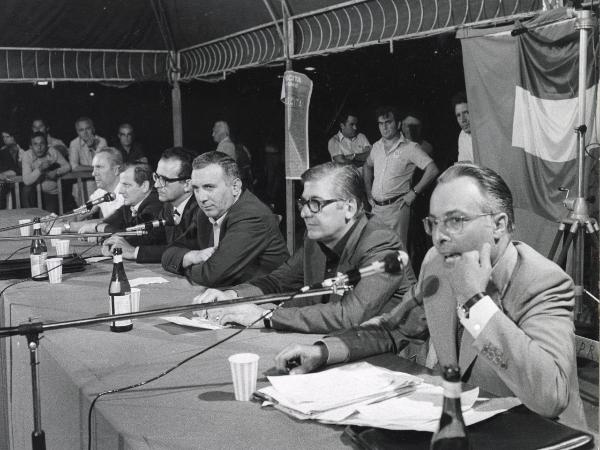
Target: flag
{"type": "Point", "coordinates": [523, 102]}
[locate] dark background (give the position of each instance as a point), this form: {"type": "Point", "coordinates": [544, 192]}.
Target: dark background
{"type": "Point", "coordinates": [419, 75]}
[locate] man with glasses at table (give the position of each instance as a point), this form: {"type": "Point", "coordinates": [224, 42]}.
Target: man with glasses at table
{"type": "Point", "coordinates": [172, 181]}
{"type": "Point", "coordinates": [495, 306]}
{"type": "Point", "coordinates": [237, 236]}
{"type": "Point", "coordinates": [339, 237]}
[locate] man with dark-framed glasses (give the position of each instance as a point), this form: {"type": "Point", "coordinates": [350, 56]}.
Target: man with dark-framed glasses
{"type": "Point", "coordinates": [495, 306]}
{"type": "Point", "coordinates": [339, 237]}
{"type": "Point", "coordinates": [172, 182]}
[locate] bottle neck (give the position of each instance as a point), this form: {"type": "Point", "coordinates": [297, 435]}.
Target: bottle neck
{"type": "Point", "coordinates": [452, 389]}
{"type": "Point", "coordinates": [117, 259]}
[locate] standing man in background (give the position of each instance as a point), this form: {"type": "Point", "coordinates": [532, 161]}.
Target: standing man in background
{"type": "Point", "coordinates": [465, 143]}
{"type": "Point", "coordinates": [348, 145]}
{"type": "Point", "coordinates": [82, 150]}
{"type": "Point", "coordinates": [388, 172]}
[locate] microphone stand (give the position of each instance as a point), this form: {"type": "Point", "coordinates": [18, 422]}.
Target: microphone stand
{"type": "Point", "coordinates": [32, 331]}
{"type": "Point", "coordinates": [49, 219]}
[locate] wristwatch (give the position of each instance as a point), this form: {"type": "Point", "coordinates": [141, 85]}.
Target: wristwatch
{"type": "Point", "coordinates": [463, 310]}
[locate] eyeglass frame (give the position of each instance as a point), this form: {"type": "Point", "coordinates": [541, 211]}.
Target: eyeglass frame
{"type": "Point", "coordinates": [301, 203]}
{"type": "Point", "coordinates": [164, 180]}
{"type": "Point", "coordinates": [462, 219]}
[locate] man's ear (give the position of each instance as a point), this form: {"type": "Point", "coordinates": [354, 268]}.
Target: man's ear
{"type": "Point", "coordinates": [146, 186]}
{"type": "Point", "coordinates": [500, 225]}
{"type": "Point", "coordinates": [236, 186]}
{"type": "Point", "coordinates": [187, 185]}
{"type": "Point", "coordinates": [350, 209]}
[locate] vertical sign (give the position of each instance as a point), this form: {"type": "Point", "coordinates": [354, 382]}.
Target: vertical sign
{"type": "Point", "coordinates": [295, 93]}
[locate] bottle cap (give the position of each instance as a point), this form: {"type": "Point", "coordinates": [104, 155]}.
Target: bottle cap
{"type": "Point", "coordinates": [451, 373]}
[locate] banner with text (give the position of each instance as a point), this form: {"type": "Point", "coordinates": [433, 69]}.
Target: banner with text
{"type": "Point", "coordinates": [295, 93]}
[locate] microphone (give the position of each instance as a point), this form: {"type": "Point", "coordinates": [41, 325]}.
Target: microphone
{"type": "Point", "coordinates": [108, 197]}
{"type": "Point", "coordinates": [148, 226]}
{"type": "Point", "coordinates": [391, 263]}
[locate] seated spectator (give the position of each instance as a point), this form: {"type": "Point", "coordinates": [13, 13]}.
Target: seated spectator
{"type": "Point", "coordinates": [82, 150]}
{"type": "Point", "coordinates": [131, 150]}
{"type": "Point", "coordinates": [140, 205]}
{"type": "Point", "coordinates": [238, 235]}
{"type": "Point", "coordinates": [10, 164]}
{"type": "Point", "coordinates": [173, 184]}
{"type": "Point", "coordinates": [339, 238]}
{"type": "Point", "coordinates": [42, 165]}
{"type": "Point", "coordinates": [495, 307]}
{"type": "Point", "coordinates": [348, 145]}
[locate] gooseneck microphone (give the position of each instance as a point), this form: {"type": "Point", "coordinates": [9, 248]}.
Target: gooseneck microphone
{"type": "Point", "coordinates": [108, 197]}
{"type": "Point", "coordinates": [391, 263]}
{"type": "Point", "coordinates": [148, 226]}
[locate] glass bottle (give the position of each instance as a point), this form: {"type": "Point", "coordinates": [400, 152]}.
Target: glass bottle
{"type": "Point", "coordinates": [119, 292]}
{"type": "Point", "coordinates": [38, 252]}
{"type": "Point", "coordinates": [452, 433]}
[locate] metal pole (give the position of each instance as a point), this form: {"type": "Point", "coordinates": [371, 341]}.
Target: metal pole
{"type": "Point", "coordinates": [290, 214]}
{"type": "Point", "coordinates": [38, 437]}
{"type": "Point", "coordinates": [176, 103]}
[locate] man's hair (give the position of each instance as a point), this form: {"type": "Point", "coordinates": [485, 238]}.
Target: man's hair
{"type": "Point", "coordinates": [346, 181]}
{"type": "Point", "coordinates": [39, 119]}
{"type": "Point", "coordinates": [493, 186]}
{"type": "Point", "coordinates": [383, 111]}
{"type": "Point", "coordinates": [227, 163]}
{"type": "Point", "coordinates": [141, 172]}
{"type": "Point", "coordinates": [343, 118]}
{"type": "Point", "coordinates": [39, 134]}
{"type": "Point", "coordinates": [417, 115]}
{"type": "Point", "coordinates": [84, 119]}
{"type": "Point", "coordinates": [458, 98]}
{"type": "Point", "coordinates": [114, 156]}
{"type": "Point", "coordinates": [184, 156]}
{"type": "Point", "coordinates": [128, 126]}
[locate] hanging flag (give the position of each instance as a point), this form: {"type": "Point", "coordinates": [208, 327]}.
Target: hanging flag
{"type": "Point", "coordinates": [523, 101]}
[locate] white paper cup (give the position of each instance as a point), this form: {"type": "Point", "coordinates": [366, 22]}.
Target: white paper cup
{"type": "Point", "coordinates": [62, 247]}
{"type": "Point", "coordinates": [135, 299]}
{"type": "Point", "coordinates": [54, 268]}
{"type": "Point", "coordinates": [53, 232]}
{"type": "Point", "coordinates": [244, 370]}
{"type": "Point", "coordinates": [25, 231]}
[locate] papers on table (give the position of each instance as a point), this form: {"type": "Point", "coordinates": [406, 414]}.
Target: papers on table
{"type": "Point", "coordinates": [366, 395]}
{"type": "Point", "coordinates": [146, 280]}
{"type": "Point", "coordinates": [195, 322]}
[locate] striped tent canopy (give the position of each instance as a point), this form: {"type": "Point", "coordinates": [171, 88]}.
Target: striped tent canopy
{"type": "Point", "coordinates": [134, 40]}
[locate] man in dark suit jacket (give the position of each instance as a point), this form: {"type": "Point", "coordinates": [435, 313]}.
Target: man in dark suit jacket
{"type": "Point", "coordinates": [339, 238]}
{"type": "Point", "coordinates": [140, 205]}
{"type": "Point", "coordinates": [495, 307]}
{"type": "Point", "coordinates": [172, 181]}
{"type": "Point", "coordinates": [238, 236]}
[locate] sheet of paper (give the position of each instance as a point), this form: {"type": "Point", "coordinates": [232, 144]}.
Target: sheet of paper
{"type": "Point", "coordinates": [195, 322]}
{"type": "Point", "coordinates": [146, 280]}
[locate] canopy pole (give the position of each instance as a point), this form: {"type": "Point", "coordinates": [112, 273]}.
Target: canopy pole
{"type": "Point", "coordinates": [176, 104]}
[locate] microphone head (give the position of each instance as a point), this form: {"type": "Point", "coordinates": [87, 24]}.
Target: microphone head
{"type": "Point", "coordinates": [395, 262]}
{"type": "Point", "coordinates": [109, 196]}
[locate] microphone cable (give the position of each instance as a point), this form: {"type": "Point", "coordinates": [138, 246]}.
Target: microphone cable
{"type": "Point", "coordinates": [27, 246]}
{"type": "Point", "coordinates": [177, 365]}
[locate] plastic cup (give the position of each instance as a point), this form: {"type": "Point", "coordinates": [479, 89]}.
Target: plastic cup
{"type": "Point", "coordinates": [135, 299]}
{"type": "Point", "coordinates": [53, 232]}
{"type": "Point", "coordinates": [244, 370]}
{"type": "Point", "coordinates": [62, 247]}
{"type": "Point", "coordinates": [25, 231]}
{"type": "Point", "coordinates": [54, 268]}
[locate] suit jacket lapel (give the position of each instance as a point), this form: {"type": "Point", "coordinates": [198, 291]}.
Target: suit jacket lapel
{"type": "Point", "coordinates": [347, 257]}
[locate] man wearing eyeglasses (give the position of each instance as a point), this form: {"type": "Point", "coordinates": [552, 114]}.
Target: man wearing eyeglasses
{"type": "Point", "coordinates": [339, 237]}
{"type": "Point", "coordinates": [496, 307]}
{"type": "Point", "coordinates": [132, 150]}
{"type": "Point", "coordinates": [172, 181]}
{"type": "Point", "coordinates": [237, 236]}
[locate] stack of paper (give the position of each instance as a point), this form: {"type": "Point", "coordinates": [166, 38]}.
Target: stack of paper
{"type": "Point", "coordinates": [336, 391]}
{"type": "Point", "coordinates": [366, 395]}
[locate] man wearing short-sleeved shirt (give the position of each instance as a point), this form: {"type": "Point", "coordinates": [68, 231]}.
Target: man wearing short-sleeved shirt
{"type": "Point", "coordinates": [388, 172]}
{"type": "Point", "coordinates": [348, 145]}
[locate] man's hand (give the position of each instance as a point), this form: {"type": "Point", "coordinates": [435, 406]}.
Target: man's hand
{"type": "Point", "coordinates": [197, 256]}
{"type": "Point", "coordinates": [52, 175]}
{"type": "Point", "coordinates": [244, 315]}
{"type": "Point", "coordinates": [118, 242]}
{"type": "Point", "coordinates": [43, 165]}
{"type": "Point", "coordinates": [298, 359]}
{"type": "Point", "coordinates": [214, 295]}
{"type": "Point", "coordinates": [408, 198]}
{"type": "Point", "coordinates": [87, 228]}
{"type": "Point", "coordinates": [469, 273]}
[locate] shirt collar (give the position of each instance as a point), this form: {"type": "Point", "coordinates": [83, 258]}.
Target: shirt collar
{"type": "Point", "coordinates": [135, 208]}
{"type": "Point", "coordinates": [182, 204]}
{"type": "Point", "coordinates": [219, 221]}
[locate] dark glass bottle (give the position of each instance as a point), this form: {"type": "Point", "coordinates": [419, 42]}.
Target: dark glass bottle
{"type": "Point", "coordinates": [452, 433]}
{"type": "Point", "coordinates": [38, 252]}
{"type": "Point", "coordinates": [119, 292]}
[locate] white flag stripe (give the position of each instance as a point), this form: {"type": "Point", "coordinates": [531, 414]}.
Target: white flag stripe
{"type": "Point", "coordinates": [545, 128]}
